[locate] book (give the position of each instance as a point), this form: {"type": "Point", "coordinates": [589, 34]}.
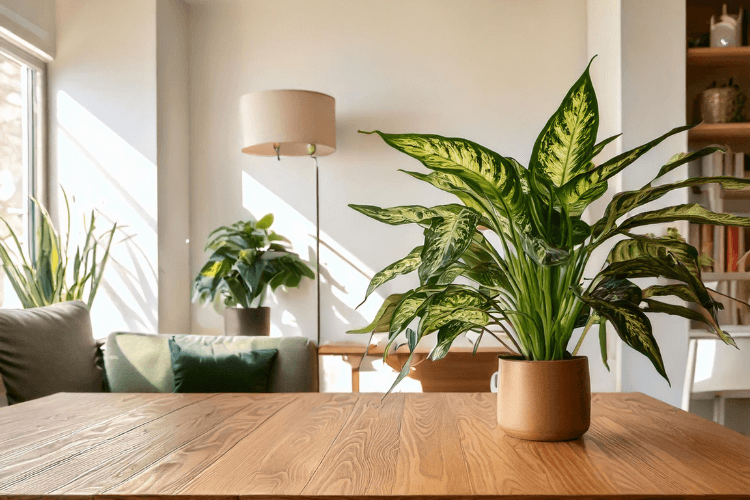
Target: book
{"type": "Point", "coordinates": [720, 249]}
{"type": "Point", "coordinates": [707, 244]}
{"type": "Point", "coordinates": [728, 163]}
{"type": "Point", "coordinates": [732, 245]}
{"type": "Point", "coordinates": [694, 235]}
{"type": "Point", "coordinates": [739, 165]}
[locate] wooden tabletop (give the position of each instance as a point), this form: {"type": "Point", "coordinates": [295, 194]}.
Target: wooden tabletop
{"type": "Point", "coordinates": [228, 446]}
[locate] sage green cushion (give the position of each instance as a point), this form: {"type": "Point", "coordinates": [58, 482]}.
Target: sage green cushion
{"type": "Point", "coordinates": [198, 367]}
{"type": "Point", "coordinates": [141, 362]}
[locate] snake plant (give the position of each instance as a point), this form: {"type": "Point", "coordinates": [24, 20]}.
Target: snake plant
{"type": "Point", "coordinates": [531, 283]}
{"type": "Point", "coordinates": [246, 260]}
{"type": "Point", "coordinates": [50, 276]}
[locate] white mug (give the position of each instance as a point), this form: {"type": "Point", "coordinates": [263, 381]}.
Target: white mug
{"type": "Point", "coordinates": [493, 381]}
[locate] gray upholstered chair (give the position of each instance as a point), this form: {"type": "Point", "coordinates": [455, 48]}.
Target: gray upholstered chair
{"type": "Point", "coordinates": [138, 362]}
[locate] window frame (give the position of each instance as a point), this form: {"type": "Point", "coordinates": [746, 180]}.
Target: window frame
{"type": "Point", "coordinates": [35, 119]}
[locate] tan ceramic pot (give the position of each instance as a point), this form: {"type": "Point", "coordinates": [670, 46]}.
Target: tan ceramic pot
{"type": "Point", "coordinates": [544, 400]}
{"type": "Point", "coordinates": [247, 322]}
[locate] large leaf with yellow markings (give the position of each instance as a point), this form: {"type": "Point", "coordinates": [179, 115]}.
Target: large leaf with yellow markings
{"type": "Point", "coordinates": [578, 192]}
{"type": "Point", "coordinates": [446, 239]}
{"type": "Point", "coordinates": [402, 266]}
{"type": "Point", "coordinates": [566, 144]}
{"type": "Point", "coordinates": [503, 180]}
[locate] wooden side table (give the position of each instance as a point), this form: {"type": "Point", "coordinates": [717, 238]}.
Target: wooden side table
{"type": "Point", "coordinates": [459, 371]}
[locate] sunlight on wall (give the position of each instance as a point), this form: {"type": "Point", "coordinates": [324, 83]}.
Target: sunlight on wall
{"type": "Point", "coordinates": [99, 170]}
{"type": "Point", "coordinates": [704, 356]}
{"type": "Point", "coordinates": [342, 273]}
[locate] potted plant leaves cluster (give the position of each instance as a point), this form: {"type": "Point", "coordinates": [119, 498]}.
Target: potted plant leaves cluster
{"type": "Point", "coordinates": [247, 259]}
{"type": "Point", "coordinates": [530, 285]}
{"type": "Point", "coordinates": [52, 273]}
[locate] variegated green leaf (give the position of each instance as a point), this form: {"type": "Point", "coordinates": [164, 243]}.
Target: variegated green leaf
{"type": "Point", "coordinates": [603, 341]}
{"type": "Point", "coordinates": [404, 266]}
{"type": "Point", "coordinates": [445, 337]}
{"type": "Point", "coordinates": [452, 272]}
{"type": "Point", "coordinates": [450, 184]}
{"type": "Point", "coordinates": [640, 245]}
{"type": "Point", "coordinates": [382, 320]}
{"type": "Point", "coordinates": [600, 146]}
{"type": "Point", "coordinates": [632, 326]}
{"type": "Point", "coordinates": [506, 177]}
{"type": "Point", "coordinates": [542, 252]}
{"type": "Point", "coordinates": [655, 306]}
{"type": "Point", "coordinates": [405, 312]}
{"type": "Point", "coordinates": [622, 203]}
{"type": "Point", "coordinates": [453, 304]}
{"type": "Point", "coordinates": [406, 368]}
{"type": "Point", "coordinates": [702, 314]}
{"type": "Point", "coordinates": [683, 158]}
{"type": "Point", "coordinates": [409, 214]}
{"type": "Point", "coordinates": [584, 188]}
{"type": "Point", "coordinates": [565, 145]}
{"type": "Point", "coordinates": [691, 212]}
{"type": "Point", "coordinates": [446, 239]}
{"type": "Point", "coordinates": [667, 266]}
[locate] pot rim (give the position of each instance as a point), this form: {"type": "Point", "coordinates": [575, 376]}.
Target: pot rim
{"type": "Point", "coordinates": [521, 359]}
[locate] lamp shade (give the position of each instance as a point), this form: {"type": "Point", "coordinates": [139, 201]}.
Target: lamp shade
{"type": "Point", "coordinates": [289, 119]}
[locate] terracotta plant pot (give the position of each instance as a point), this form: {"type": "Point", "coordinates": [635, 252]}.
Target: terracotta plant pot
{"type": "Point", "coordinates": [247, 322]}
{"type": "Point", "coordinates": [544, 400]}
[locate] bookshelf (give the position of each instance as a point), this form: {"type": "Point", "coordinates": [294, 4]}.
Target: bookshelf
{"type": "Point", "coordinates": [719, 56]}
{"type": "Point", "coordinates": [734, 135]}
{"type": "Point", "coordinates": [729, 273]}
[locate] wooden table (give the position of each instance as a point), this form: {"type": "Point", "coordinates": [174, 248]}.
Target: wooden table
{"type": "Point", "coordinates": [461, 370]}
{"type": "Point", "coordinates": [231, 446]}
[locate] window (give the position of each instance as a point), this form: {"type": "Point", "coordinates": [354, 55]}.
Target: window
{"type": "Point", "coordinates": [21, 147]}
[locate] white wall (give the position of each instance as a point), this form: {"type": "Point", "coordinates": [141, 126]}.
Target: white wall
{"type": "Point", "coordinates": [103, 144]}
{"type": "Point", "coordinates": [603, 40]}
{"type": "Point", "coordinates": [31, 24]}
{"type": "Point", "coordinates": [173, 165]}
{"type": "Point", "coordinates": [653, 95]}
{"type": "Point", "coordinates": [469, 69]}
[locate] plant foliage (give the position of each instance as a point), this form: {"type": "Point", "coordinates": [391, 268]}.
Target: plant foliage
{"type": "Point", "coordinates": [50, 275]}
{"type": "Point", "coordinates": [246, 260]}
{"type": "Point", "coordinates": [532, 283]}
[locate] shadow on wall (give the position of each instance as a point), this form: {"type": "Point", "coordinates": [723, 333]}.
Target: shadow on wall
{"type": "Point", "coordinates": [99, 170]}
{"type": "Point", "coordinates": [344, 278]}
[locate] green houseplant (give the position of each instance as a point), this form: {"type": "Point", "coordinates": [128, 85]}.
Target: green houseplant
{"type": "Point", "coordinates": [532, 284]}
{"type": "Point", "coordinates": [246, 260]}
{"type": "Point", "coordinates": [51, 275]}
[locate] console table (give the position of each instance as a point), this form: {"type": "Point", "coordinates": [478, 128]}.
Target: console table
{"type": "Point", "coordinates": [461, 370]}
{"type": "Point", "coordinates": [314, 445]}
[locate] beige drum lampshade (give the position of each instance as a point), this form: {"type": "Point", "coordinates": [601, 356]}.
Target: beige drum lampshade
{"type": "Point", "coordinates": [291, 119]}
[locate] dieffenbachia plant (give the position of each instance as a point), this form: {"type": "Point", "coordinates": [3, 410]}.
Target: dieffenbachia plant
{"type": "Point", "coordinates": [532, 285]}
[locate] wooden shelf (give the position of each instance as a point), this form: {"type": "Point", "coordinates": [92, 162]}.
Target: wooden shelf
{"type": "Point", "coordinates": [734, 135]}
{"type": "Point", "coordinates": [718, 56]}
{"type": "Point", "coordinates": [725, 277]}
{"type": "Point", "coordinates": [736, 194]}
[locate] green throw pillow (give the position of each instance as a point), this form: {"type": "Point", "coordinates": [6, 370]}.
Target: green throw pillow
{"type": "Point", "coordinates": [199, 368]}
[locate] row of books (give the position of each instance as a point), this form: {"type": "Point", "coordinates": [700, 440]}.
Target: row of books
{"type": "Point", "coordinates": [725, 246]}
{"type": "Point", "coordinates": [728, 163]}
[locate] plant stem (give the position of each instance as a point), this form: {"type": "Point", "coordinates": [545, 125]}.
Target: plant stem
{"type": "Point", "coordinates": [583, 335]}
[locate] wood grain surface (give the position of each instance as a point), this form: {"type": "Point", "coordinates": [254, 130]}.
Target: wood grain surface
{"type": "Point", "coordinates": [331, 446]}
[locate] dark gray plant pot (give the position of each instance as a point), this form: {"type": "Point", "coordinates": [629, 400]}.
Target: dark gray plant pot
{"type": "Point", "coordinates": [248, 322]}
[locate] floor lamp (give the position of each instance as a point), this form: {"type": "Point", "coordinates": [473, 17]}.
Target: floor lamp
{"type": "Point", "coordinates": [291, 123]}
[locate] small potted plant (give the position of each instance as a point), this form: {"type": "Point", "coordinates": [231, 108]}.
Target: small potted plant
{"type": "Point", "coordinates": [246, 260]}
{"type": "Point", "coordinates": [531, 284]}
